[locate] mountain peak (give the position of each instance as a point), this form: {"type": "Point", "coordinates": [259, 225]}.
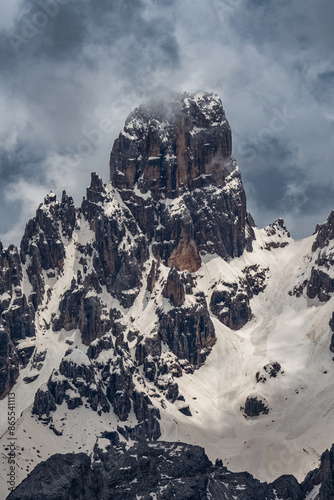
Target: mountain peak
{"type": "Point", "coordinates": [108, 309]}
{"type": "Point", "coordinates": [173, 169]}
{"type": "Point", "coordinates": [166, 146]}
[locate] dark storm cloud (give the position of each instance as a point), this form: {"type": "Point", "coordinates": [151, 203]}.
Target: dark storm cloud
{"type": "Point", "coordinates": [323, 88]}
{"type": "Point", "coordinates": [67, 65]}
{"type": "Point", "coordinates": [283, 49]}
{"type": "Point", "coordinates": [276, 184]}
{"type": "Point", "coordinates": [269, 166]}
{"type": "Point", "coordinates": [67, 30]}
{"type": "Point", "coordinates": [290, 23]}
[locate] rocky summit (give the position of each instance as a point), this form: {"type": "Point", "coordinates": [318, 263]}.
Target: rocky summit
{"type": "Point", "coordinates": [173, 168]}
{"type": "Point", "coordinates": [156, 320]}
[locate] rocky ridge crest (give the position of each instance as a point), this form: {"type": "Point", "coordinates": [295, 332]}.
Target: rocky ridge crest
{"type": "Point", "coordinates": [164, 471]}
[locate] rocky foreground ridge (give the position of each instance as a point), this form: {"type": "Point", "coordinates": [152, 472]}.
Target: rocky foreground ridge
{"type": "Point", "coordinates": [157, 310]}
{"type": "Point", "coordinates": [163, 471]}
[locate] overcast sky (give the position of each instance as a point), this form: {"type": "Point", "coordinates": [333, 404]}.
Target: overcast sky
{"type": "Point", "coordinates": [72, 70]}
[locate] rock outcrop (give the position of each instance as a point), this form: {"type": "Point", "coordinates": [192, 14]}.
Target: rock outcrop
{"type": "Point", "coordinates": [321, 284]}
{"type": "Point", "coordinates": [174, 289]}
{"type": "Point", "coordinates": [279, 235]}
{"type": "Point", "coordinates": [230, 301]}
{"type": "Point", "coordinates": [9, 364]}
{"type": "Point", "coordinates": [16, 318]}
{"type": "Point", "coordinates": [188, 331]}
{"type": "Point", "coordinates": [166, 146]}
{"type": "Point", "coordinates": [322, 478]}
{"type": "Point", "coordinates": [270, 370]}
{"type": "Point", "coordinates": [62, 476]}
{"type": "Point", "coordinates": [83, 380]}
{"type": "Point", "coordinates": [255, 406]}
{"type": "Point", "coordinates": [42, 241]}
{"type": "Point", "coordinates": [331, 324]}
{"type": "Point", "coordinates": [121, 247]}
{"type": "Point", "coordinates": [324, 234]}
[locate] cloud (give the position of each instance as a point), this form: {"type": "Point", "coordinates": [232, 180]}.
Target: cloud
{"type": "Point", "coordinates": [22, 196]}
{"type": "Point", "coordinates": [68, 68]}
{"type": "Point", "coordinates": [82, 66]}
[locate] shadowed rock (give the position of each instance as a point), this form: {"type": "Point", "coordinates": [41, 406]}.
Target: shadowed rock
{"type": "Point", "coordinates": [161, 470]}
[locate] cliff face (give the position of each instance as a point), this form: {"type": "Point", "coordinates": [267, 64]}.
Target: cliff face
{"type": "Point", "coordinates": [321, 282]}
{"type": "Point", "coordinates": [164, 147]}
{"type": "Point", "coordinates": [16, 319]}
{"type": "Point", "coordinates": [172, 165]}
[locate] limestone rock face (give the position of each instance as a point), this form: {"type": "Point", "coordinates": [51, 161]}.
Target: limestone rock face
{"type": "Point", "coordinates": [332, 343]}
{"type": "Point", "coordinates": [44, 402]}
{"type": "Point", "coordinates": [279, 235]}
{"type": "Point", "coordinates": [189, 332]}
{"type": "Point", "coordinates": [325, 233]}
{"type": "Point", "coordinates": [11, 271]}
{"type": "Point", "coordinates": [17, 313]}
{"type": "Point", "coordinates": [9, 364]}
{"type": "Point", "coordinates": [66, 478]}
{"type": "Point", "coordinates": [79, 311]}
{"type": "Point", "coordinates": [42, 241]}
{"type": "Point", "coordinates": [120, 246]}
{"type": "Point", "coordinates": [331, 324]}
{"type": "Point", "coordinates": [230, 300]}
{"type": "Point", "coordinates": [84, 380]}
{"type": "Point", "coordinates": [322, 476]}
{"type": "Point", "coordinates": [172, 165]}
{"type": "Point", "coordinates": [231, 307]}
{"type": "Point", "coordinates": [165, 146]}
{"type": "Point", "coordinates": [17, 317]}
{"type": "Point", "coordinates": [174, 289]}
{"type": "Point", "coordinates": [321, 284]}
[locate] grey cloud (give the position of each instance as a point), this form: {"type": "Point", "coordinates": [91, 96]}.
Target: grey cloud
{"type": "Point", "coordinates": [323, 89]}
{"type": "Point", "coordinates": [289, 23]}
{"type": "Point", "coordinates": [280, 186]}
{"type": "Point", "coordinates": [91, 61]}
{"type": "Point", "coordinates": [268, 167]}
{"type": "Point", "coordinates": [98, 59]}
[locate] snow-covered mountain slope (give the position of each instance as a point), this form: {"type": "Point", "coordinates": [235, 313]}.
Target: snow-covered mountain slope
{"type": "Point", "coordinates": [158, 311]}
{"type": "Point", "coordinates": [292, 332]}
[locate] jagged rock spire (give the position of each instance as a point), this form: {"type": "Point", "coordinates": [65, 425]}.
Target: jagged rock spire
{"type": "Point", "coordinates": [173, 168]}
{"type": "Point", "coordinates": [165, 146]}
